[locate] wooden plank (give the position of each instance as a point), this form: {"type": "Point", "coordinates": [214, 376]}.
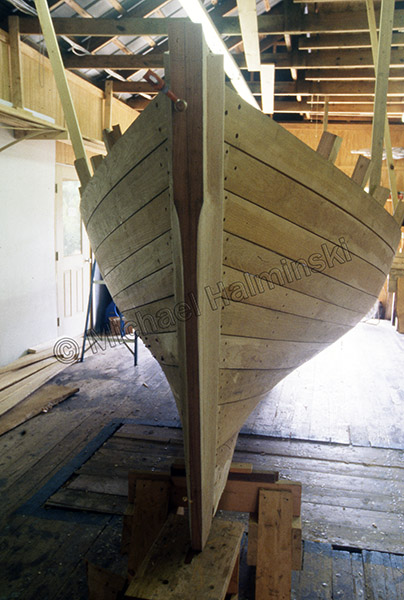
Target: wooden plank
{"type": "Point", "coordinates": [259, 226]}
{"type": "Point", "coordinates": [135, 233]}
{"type": "Point", "coordinates": [145, 135]}
{"type": "Point", "coordinates": [247, 12]}
{"type": "Point", "coordinates": [243, 496]}
{"type": "Point", "coordinates": [40, 401]}
{"type": "Point", "coordinates": [10, 397]}
{"type": "Point", "coordinates": [123, 62]}
{"type": "Point", "coordinates": [342, 578]}
{"type": "Point", "coordinates": [246, 130]}
{"type": "Point", "coordinates": [246, 256]}
{"type": "Point", "coordinates": [63, 87]}
{"type": "Point", "coordinates": [324, 22]}
{"type": "Point", "coordinates": [150, 180]}
{"type": "Point", "coordinates": [150, 514]}
{"type": "Point", "coordinates": [316, 577]}
{"type": "Point", "coordinates": [296, 544]}
{"type": "Point", "coordinates": [329, 146]}
{"type": "Point", "coordinates": [362, 170]}
{"type": "Point", "coordinates": [322, 59]}
{"type": "Point", "coordinates": [382, 75]}
{"type": "Point", "coordinates": [17, 92]}
{"type": "Point", "coordinates": [89, 501]}
{"type": "Point", "coordinates": [339, 41]}
{"type": "Point", "coordinates": [27, 359]}
{"type": "Point", "coordinates": [274, 545]}
{"type": "Point", "coordinates": [314, 213]}
{"type": "Point", "coordinates": [109, 87]}
{"type": "Point", "coordinates": [165, 575]}
{"type": "Point", "coordinates": [249, 289]}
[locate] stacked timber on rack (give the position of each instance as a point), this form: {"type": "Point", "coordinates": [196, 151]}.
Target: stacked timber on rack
{"type": "Point", "coordinates": [20, 396]}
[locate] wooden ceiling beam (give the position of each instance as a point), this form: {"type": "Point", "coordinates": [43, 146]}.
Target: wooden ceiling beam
{"type": "Point", "coordinates": [343, 109]}
{"type": "Point", "coordinates": [114, 61]}
{"type": "Point", "coordinates": [268, 24]}
{"type": "Point", "coordinates": [366, 74]}
{"type": "Point", "coordinates": [133, 87]}
{"type": "Point", "coordinates": [340, 41]}
{"type": "Point", "coordinates": [329, 88]}
{"type": "Point", "coordinates": [324, 59]}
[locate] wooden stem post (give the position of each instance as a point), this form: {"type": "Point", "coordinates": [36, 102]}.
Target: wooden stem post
{"type": "Point", "coordinates": [64, 92]}
{"type": "Point", "coordinates": [197, 160]}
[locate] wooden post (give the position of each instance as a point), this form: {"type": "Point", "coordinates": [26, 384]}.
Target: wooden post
{"type": "Point", "coordinates": [274, 546]}
{"type": "Point", "coordinates": [387, 139]}
{"type": "Point", "coordinates": [109, 87]}
{"type": "Point", "coordinates": [197, 152]}
{"type": "Point", "coordinates": [325, 118]}
{"type": "Point", "coordinates": [382, 80]}
{"type": "Point", "coordinates": [17, 92]}
{"type": "Point", "coordinates": [64, 91]}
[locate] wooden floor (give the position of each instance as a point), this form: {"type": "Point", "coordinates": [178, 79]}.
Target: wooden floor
{"type": "Point", "coordinates": [344, 443]}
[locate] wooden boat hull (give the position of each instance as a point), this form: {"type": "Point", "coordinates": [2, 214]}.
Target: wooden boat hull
{"type": "Point", "coordinates": [237, 251]}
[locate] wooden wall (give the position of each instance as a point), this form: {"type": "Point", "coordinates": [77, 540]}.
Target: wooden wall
{"type": "Point", "coordinates": [41, 95]}
{"type": "Point", "coordinates": [355, 136]}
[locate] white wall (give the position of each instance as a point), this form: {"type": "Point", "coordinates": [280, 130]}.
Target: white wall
{"type": "Point", "coordinates": [27, 246]}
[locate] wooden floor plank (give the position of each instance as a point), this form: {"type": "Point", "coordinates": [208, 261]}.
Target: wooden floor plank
{"type": "Point", "coordinates": [316, 578]}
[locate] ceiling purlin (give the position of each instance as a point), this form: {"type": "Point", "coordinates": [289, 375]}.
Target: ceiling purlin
{"type": "Point", "coordinates": [337, 53]}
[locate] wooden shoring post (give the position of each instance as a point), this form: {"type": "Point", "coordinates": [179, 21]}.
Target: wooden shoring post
{"type": "Point", "coordinates": [381, 57]}
{"type": "Point", "coordinates": [17, 91]}
{"type": "Point", "coordinates": [109, 88]}
{"type": "Point", "coordinates": [387, 138]}
{"type": "Point", "coordinates": [64, 91]}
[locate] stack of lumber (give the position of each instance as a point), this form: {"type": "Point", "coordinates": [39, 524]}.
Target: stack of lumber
{"type": "Point", "coordinates": [20, 398]}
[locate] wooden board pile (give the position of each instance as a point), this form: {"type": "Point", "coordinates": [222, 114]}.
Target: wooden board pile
{"type": "Point", "coordinates": [20, 396]}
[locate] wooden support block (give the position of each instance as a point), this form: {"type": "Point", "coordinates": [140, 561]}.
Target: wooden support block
{"type": "Point", "coordinates": [103, 584]}
{"type": "Point", "coordinates": [399, 213]}
{"type": "Point", "coordinates": [296, 542]}
{"type": "Point", "coordinates": [329, 146]}
{"type": "Point", "coordinates": [133, 476]}
{"type": "Point", "coordinates": [243, 495]}
{"type": "Point", "coordinates": [82, 171]}
{"type": "Point", "coordinates": [274, 546]}
{"type": "Point", "coordinates": [111, 136]}
{"type": "Point", "coordinates": [127, 528]}
{"type": "Point", "coordinates": [96, 160]}
{"type": "Point", "coordinates": [381, 194]}
{"type": "Point", "coordinates": [234, 581]}
{"type": "Point", "coordinates": [362, 170]}
{"type": "Point", "coordinates": [170, 571]}
{"type": "Point", "coordinates": [149, 515]}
